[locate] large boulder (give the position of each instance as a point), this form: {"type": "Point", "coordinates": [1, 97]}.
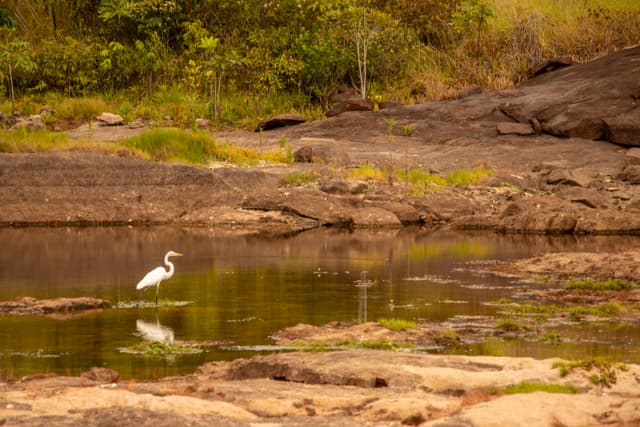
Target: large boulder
{"type": "Point", "coordinates": [322, 151]}
{"type": "Point", "coordinates": [345, 98]}
{"type": "Point", "coordinates": [109, 119]}
{"type": "Point", "coordinates": [33, 122]}
{"type": "Point", "coordinates": [585, 100]}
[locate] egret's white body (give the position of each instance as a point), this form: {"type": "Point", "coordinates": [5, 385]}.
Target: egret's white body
{"type": "Point", "coordinates": [158, 274]}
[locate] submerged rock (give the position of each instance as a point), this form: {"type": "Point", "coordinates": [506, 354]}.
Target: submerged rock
{"type": "Point", "coordinates": [29, 305]}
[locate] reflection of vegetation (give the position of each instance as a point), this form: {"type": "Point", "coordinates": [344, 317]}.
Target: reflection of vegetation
{"type": "Point", "coordinates": [604, 285]}
{"type": "Point", "coordinates": [421, 251]}
{"type": "Point", "coordinates": [529, 387]}
{"type": "Point", "coordinates": [605, 375]}
{"type": "Point", "coordinates": [552, 338]}
{"type": "Point", "coordinates": [397, 324]}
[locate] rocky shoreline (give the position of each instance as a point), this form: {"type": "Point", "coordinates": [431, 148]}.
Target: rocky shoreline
{"type": "Point", "coordinates": [354, 388]}
{"type": "Point", "coordinates": [564, 154]}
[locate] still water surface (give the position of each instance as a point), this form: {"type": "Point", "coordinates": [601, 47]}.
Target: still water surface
{"type": "Point", "coordinates": [243, 289]}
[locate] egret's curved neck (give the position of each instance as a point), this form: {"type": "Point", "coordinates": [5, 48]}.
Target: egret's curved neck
{"type": "Point", "coordinates": [170, 265]}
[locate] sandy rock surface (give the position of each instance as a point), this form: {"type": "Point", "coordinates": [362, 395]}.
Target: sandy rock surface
{"type": "Point", "coordinates": [357, 387]}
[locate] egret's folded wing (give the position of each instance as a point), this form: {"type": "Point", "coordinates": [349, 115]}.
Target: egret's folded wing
{"type": "Point", "coordinates": [152, 278]}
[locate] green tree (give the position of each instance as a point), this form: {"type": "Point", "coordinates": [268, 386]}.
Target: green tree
{"type": "Point", "coordinates": [473, 14]}
{"type": "Point", "coordinates": [15, 56]}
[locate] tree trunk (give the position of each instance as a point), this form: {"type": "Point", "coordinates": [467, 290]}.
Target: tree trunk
{"type": "Point", "coordinates": [13, 101]}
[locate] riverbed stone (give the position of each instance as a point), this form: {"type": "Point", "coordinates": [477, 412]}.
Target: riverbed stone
{"type": "Point", "coordinates": [561, 176]}
{"type": "Point", "coordinates": [624, 129]}
{"type": "Point", "coordinates": [29, 305]}
{"type": "Point", "coordinates": [632, 157]}
{"type": "Point", "coordinates": [587, 196]}
{"type": "Point", "coordinates": [631, 174]}
{"type": "Point", "coordinates": [109, 119]}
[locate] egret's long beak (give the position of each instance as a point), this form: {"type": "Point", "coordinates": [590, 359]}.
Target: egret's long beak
{"type": "Point", "coordinates": [177, 254]}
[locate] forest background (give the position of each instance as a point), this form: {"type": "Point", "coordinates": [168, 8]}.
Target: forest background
{"type": "Point", "coordinates": [237, 62]}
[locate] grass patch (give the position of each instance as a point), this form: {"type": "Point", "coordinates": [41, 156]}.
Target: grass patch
{"type": "Point", "coordinates": [150, 303]}
{"type": "Point", "coordinates": [174, 145]}
{"type": "Point", "coordinates": [159, 349]}
{"type": "Point", "coordinates": [421, 181]}
{"type": "Point", "coordinates": [397, 324]}
{"type": "Point", "coordinates": [197, 147]}
{"type": "Point", "coordinates": [297, 179]}
{"type": "Point", "coordinates": [605, 374]}
{"type": "Point", "coordinates": [603, 310]}
{"type": "Point", "coordinates": [447, 338]}
{"type": "Point", "coordinates": [532, 387]}
{"type": "Point", "coordinates": [600, 285]}
{"type": "Point", "coordinates": [22, 140]}
{"type": "Point", "coordinates": [466, 177]}
{"type": "Point", "coordinates": [386, 344]}
{"type": "Point", "coordinates": [508, 325]}
{"type": "Point", "coordinates": [79, 109]}
{"type": "Point", "coordinates": [366, 172]}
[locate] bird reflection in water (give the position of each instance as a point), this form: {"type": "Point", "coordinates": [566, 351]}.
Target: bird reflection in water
{"type": "Point", "coordinates": [156, 332]}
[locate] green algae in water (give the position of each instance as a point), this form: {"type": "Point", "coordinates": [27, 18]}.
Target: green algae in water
{"type": "Point", "coordinates": [160, 349]}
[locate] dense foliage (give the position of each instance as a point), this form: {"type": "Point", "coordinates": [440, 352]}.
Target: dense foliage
{"type": "Point", "coordinates": [207, 51]}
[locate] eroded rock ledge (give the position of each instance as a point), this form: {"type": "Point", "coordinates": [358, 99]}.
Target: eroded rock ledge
{"type": "Point", "coordinates": [576, 170]}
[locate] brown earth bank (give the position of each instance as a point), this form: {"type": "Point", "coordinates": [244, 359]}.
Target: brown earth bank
{"type": "Point", "coordinates": [563, 149]}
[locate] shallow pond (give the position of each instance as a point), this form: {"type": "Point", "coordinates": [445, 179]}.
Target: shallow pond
{"type": "Point", "coordinates": [240, 290]}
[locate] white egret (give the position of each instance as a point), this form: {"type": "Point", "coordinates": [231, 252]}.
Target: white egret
{"type": "Point", "coordinates": [158, 274]}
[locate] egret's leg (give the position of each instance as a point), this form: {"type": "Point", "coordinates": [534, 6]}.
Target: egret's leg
{"type": "Point", "coordinates": [157, 287]}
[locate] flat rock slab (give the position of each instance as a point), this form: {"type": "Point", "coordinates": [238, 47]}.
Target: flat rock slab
{"type": "Point", "coordinates": [602, 266]}
{"type": "Point", "coordinates": [28, 305]}
{"type": "Point", "coordinates": [345, 388]}
{"type": "Point", "coordinates": [521, 129]}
